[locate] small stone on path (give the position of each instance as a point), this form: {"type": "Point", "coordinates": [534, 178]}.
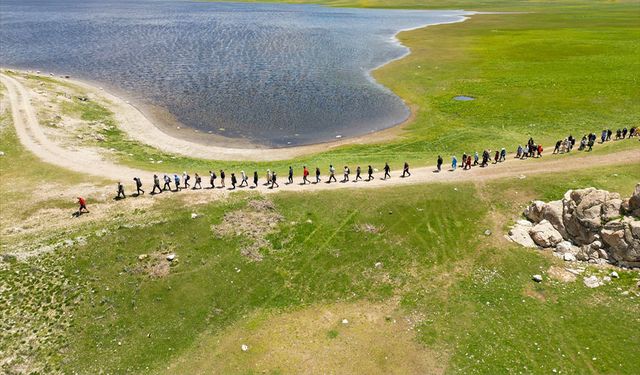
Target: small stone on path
{"type": "Point", "coordinates": [537, 278]}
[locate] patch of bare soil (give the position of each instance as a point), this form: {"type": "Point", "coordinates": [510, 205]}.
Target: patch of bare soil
{"type": "Point", "coordinates": [156, 265]}
{"type": "Point", "coordinates": [252, 225]}
{"type": "Point", "coordinates": [368, 228]}
{"type": "Point", "coordinates": [344, 338]}
{"type": "Point", "coordinates": [561, 274]}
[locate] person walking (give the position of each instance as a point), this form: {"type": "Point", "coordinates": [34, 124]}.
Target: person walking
{"type": "Point", "coordinates": [405, 170]}
{"type": "Point", "coordinates": [454, 163]}
{"type": "Point", "coordinates": [503, 154]}
{"type": "Point", "coordinates": [346, 174]}
{"type": "Point", "coordinates": [234, 181]}
{"type": "Point", "coordinates": [268, 177]}
{"type": "Point", "coordinates": [185, 179]}
{"type": "Point", "coordinates": [212, 179]}
{"type": "Point", "coordinates": [609, 133]}
{"type": "Point", "coordinates": [198, 183]}
{"type": "Point", "coordinates": [255, 179]}
{"type": "Point", "coordinates": [556, 150]}
{"type": "Point", "coordinates": [290, 175]}
{"type": "Point", "coordinates": [167, 183]}
{"type": "Point", "coordinates": [387, 171]}
{"type": "Point", "coordinates": [440, 161]}
{"type": "Point", "coordinates": [222, 176]}
{"type": "Point", "coordinates": [83, 206]}
{"type": "Point", "coordinates": [358, 177]}
{"type": "Point", "coordinates": [317, 175]}
{"type": "Point", "coordinates": [305, 175]}
{"type": "Point", "coordinates": [475, 158]}
{"type": "Point", "coordinates": [245, 179]}
{"type": "Point", "coordinates": [176, 179]}
{"type": "Point", "coordinates": [120, 191]}
{"type": "Point", "coordinates": [539, 150]}
{"type": "Point", "coordinates": [274, 180]}
{"type": "Point", "coordinates": [624, 133]}
{"type": "Point", "coordinates": [332, 174]}
{"type": "Point", "coordinates": [156, 184]}
{"type": "Point", "coordinates": [139, 185]}
{"type": "Point", "coordinates": [590, 144]}
{"type": "Point", "coordinates": [370, 173]}
{"type": "Point", "coordinates": [468, 165]}
{"type": "Point", "coordinates": [496, 157]}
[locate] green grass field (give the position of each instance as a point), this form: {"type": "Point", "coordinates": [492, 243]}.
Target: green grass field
{"type": "Point", "coordinates": [409, 267]}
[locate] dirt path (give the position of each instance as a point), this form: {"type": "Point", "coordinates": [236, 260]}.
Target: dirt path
{"type": "Point", "coordinates": [91, 162]}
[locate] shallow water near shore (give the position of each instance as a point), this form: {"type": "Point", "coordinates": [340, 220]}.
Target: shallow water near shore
{"type": "Point", "coordinates": [273, 74]}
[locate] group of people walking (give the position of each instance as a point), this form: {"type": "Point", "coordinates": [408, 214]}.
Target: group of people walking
{"type": "Point", "coordinates": [218, 180]}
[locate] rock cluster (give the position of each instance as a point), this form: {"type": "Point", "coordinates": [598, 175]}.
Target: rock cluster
{"type": "Point", "coordinates": [588, 225]}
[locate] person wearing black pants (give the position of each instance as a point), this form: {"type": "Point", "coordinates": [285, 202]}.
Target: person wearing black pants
{"type": "Point", "coordinates": [358, 177]}
{"type": "Point", "coordinates": [370, 172]}
{"type": "Point", "coordinates": [317, 175]}
{"type": "Point", "coordinates": [255, 178]}
{"type": "Point", "coordinates": [234, 181]}
{"type": "Point", "coordinates": [222, 175]}
{"type": "Point", "coordinates": [387, 171]}
{"type": "Point", "coordinates": [273, 180]}
{"type": "Point", "coordinates": [120, 191]}
{"type": "Point", "coordinates": [405, 170]}
{"type": "Point", "coordinates": [290, 175]}
{"type": "Point", "coordinates": [139, 185]}
{"type": "Point", "coordinates": [440, 161]}
{"type": "Point", "coordinates": [156, 184]}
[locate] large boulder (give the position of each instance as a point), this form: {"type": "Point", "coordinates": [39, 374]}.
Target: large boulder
{"type": "Point", "coordinates": [622, 238]}
{"type": "Point", "coordinates": [586, 210]}
{"type": "Point", "coordinates": [552, 212]}
{"type": "Point", "coordinates": [520, 234]}
{"type": "Point", "coordinates": [632, 205]}
{"type": "Point", "coordinates": [545, 235]}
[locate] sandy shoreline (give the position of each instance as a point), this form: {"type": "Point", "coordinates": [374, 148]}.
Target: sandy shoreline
{"type": "Point", "coordinates": [156, 127]}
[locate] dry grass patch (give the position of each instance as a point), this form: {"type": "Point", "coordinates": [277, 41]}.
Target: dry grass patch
{"type": "Point", "coordinates": [253, 224]}
{"type": "Point", "coordinates": [344, 338]}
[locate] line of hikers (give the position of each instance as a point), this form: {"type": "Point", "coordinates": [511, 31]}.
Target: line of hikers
{"type": "Point", "coordinates": [529, 150]}
{"type": "Point", "coordinates": [182, 182]}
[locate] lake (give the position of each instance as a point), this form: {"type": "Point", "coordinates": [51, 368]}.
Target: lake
{"type": "Point", "coordinates": [273, 74]}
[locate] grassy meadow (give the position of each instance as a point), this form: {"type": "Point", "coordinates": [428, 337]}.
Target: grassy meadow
{"type": "Point", "coordinates": [390, 280]}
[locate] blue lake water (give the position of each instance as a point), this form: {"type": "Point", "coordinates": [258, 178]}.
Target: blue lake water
{"type": "Point", "coordinates": [273, 74]}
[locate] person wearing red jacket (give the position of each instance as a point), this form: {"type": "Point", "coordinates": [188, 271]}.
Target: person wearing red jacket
{"type": "Point", "coordinates": [305, 175]}
{"type": "Point", "coordinates": [83, 205]}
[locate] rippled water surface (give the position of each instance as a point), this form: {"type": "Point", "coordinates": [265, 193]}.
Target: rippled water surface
{"type": "Point", "coordinates": [274, 74]}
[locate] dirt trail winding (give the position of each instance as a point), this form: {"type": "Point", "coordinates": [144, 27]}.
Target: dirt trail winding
{"type": "Point", "coordinates": [91, 162]}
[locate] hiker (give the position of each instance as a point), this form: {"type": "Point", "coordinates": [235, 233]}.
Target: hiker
{"type": "Point", "coordinates": [255, 179]}
{"type": "Point", "coordinates": [245, 179]}
{"type": "Point", "coordinates": [234, 181]}
{"type": "Point", "coordinates": [387, 171]}
{"type": "Point", "coordinates": [556, 149]}
{"type": "Point", "coordinates": [624, 133]}
{"type": "Point", "coordinates": [405, 170]}
{"type": "Point", "coordinates": [583, 143]}
{"type": "Point", "coordinates": [572, 142]}
{"type": "Point", "coordinates": [185, 179]}
{"type": "Point", "coordinates": [496, 157]}
{"type": "Point", "coordinates": [274, 178]}
{"type": "Point", "coordinates": [370, 173]}
{"type": "Point", "coordinates": [439, 163]}
{"type": "Point", "coordinates": [156, 184]}
{"type": "Point", "coordinates": [454, 163]}
{"type": "Point", "coordinates": [305, 175]}
{"type": "Point", "coordinates": [468, 165]}
{"type": "Point", "coordinates": [167, 183]}
{"type": "Point", "coordinates": [176, 178]}
{"type": "Point", "coordinates": [198, 182]}
{"type": "Point", "coordinates": [519, 152]}
{"type": "Point", "coordinates": [618, 134]}
{"type": "Point", "coordinates": [503, 154]}
{"type": "Point", "coordinates": [317, 175]}
{"type": "Point", "coordinates": [290, 175]}
{"type": "Point", "coordinates": [609, 132]}
{"type": "Point", "coordinates": [268, 177]}
{"type": "Point", "coordinates": [212, 179]}
{"type": "Point", "coordinates": [222, 175]}
{"type": "Point", "coordinates": [485, 158]}
{"type": "Point", "coordinates": [332, 174]}
{"type": "Point", "coordinates": [590, 144]}
{"type": "Point", "coordinates": [358, 177]}
{"type": "Point", "coordinates": [83, 205]}
{"type": "Point", "coordinates": [347, 171]}
{"type": "Point", "coordinates": [540, 149]}
{"type": "Point", "coordinates": [139, 185]}
{"type": "Point", "coordinates": [464, 159]}
{"type": "Point", "coordinates": [603, 136]}
{"type": "Point", "coordinates": [633, 132]}
{"type": "Point", "coordinates": [475, 158]}
{"type": "Point", "coordinates": [120, 191]}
